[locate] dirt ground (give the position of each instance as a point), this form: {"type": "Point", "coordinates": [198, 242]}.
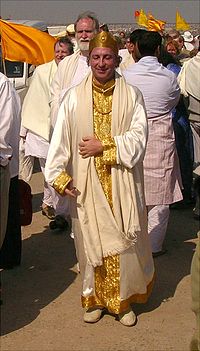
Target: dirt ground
{"type": "Point", "coordinates": [41, 308]}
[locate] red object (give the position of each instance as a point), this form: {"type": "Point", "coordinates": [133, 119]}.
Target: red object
{"type": "Point", "coordinates": [25, 197]}
{"type": "Point", "coordinates": [137, 13]}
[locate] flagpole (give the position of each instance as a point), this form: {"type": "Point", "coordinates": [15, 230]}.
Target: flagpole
{"type": "Point", "coordinates": [2, 56]}
{"type": "Point", "coordinates": [4, 66]}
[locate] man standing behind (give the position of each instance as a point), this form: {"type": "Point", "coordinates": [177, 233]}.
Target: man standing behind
{"type": "Point", "coordinates": [189, 80]}
{"type": "Point", "coordinates": [36, 122]}
{"type": "Point", "coordinates": [95, 157]}
{"type": "Point", "coordinates": [161, 171]}
{"type": "Point", "coordinates": [72, 70]}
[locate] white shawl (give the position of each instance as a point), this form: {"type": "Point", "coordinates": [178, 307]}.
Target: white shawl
{"type": "Point", "coordinates": [62, 80]}
{"type": "Point", "coordinates": [189, 77]}
{"type": "Point", "coordinates": [104, 232]}
{"type": "Point", "coordinates": [35, 108]}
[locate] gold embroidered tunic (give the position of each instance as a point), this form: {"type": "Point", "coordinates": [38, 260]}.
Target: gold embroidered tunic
{"type": "Point", "coordinates": [107, 279]}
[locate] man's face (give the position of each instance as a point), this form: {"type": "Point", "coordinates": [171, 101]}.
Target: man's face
{"type": "Point", "coordinates": [128, 44]}
{"type": "Point", "coordinates": [180, 43]}
{"type": "Point", "coordinates": [175, 36]}
{"type": "Point", "coordinates": [60, 52]}
{"type": "Point", "coordinates": [171, 49]}
{"type": "Point", "coordinates": [103, 62]}
{"type": "Point", "coordinates": [85, 31]}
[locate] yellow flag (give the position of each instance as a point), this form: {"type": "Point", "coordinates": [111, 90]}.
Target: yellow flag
{"type": "Point", "coordinates": [155, 24]}
{"type": "Point", "coordinates": [142, 19]}
{"type": "Point", "coordinates": [181, 24]}
{"type": "Point", "coordinates": [25, 44]}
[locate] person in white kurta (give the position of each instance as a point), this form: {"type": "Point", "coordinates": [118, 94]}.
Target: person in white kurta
{"type": "Point", "coordinates": [96, 157]}
{"type": "Point", "coordinates": [189, 81]}
{"type": "Point", "coordinates": [36, 124]}
{"type": "Point", "coordinates": [10, 108]}
{"type": "Point", "coordinates": [161, 169]}
{"type": "Point", "coordinates": [10, 119]}
{"type": "Point", "coordinates": [72, 70]}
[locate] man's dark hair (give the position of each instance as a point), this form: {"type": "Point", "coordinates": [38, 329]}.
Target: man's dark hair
{"type": "Point", "coordinates": [67, 41]}
{"type": "Point", "coordinates": [135, 35]}
{"type": "Point", "coordinates": [148, 42]}
{"type": "Point", "coordinates": [88, 14]}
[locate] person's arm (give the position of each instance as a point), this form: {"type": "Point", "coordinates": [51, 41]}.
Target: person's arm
{"type": "Point", "coordinates": [6, 121]}
{"type": "Point", "coordinates": [55, 91]}
{"type": "Point", "coordinates": [59, 153]}
{"type": "Point", "coordinates": [174, 93]}
{"type": "Point", "coordinates": [131, 146]}
{"type": "Point", "coordinates": [181, 80]}
{"type": "Point", "coordinates": [91, 146]}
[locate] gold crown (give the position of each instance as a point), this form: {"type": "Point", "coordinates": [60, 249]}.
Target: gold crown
{"type": "Point", "coordinates": [104, 40]}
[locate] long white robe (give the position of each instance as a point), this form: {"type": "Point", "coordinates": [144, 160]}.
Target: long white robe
{"type": "Point", "coordinates": [136, 264]}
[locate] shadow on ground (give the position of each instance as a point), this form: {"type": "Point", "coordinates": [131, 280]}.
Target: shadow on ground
{"type": "Point", "coordinates": [172, 267]}
{"type": "Point", "coordinates": [44, 274]}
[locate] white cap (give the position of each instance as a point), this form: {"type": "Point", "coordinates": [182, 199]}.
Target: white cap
{"type": "Point", "coordinates": [70, 29]}
{"type": "Point", "coordinates": [188, 37]}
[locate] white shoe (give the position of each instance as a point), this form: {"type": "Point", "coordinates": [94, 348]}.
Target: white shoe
{"type": "Point", "coordinates": [92, 315]}
{"type": "Point", "coordinates": [127, 318]}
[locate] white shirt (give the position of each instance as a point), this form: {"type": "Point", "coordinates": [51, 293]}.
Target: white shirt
{"type": "Point", "coordinates": [36, 110]}
{"type": "Point", "coordinates": [9, 125]}
{"type": "Point", "coordinates": [36, 146]}
{"type": "Point", "coordinates": [158, 85]}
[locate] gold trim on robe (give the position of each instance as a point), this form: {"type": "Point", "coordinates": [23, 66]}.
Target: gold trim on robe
{"type": "Point", "coordinates": [116, 306]}
{"type": "Point", "coordinates": [61, 182]}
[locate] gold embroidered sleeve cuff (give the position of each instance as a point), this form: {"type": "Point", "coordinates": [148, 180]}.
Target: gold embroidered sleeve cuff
{"type": "Point", "coordinates": [109, 151]}
{"type": "Point", "coordinates": [61, 182]}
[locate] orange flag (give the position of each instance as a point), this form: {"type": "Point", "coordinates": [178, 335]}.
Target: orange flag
{"type": "Point", "coordinates": [142, 19]}
{"type": "Point", "coordinates": [155, 24]}
{"type": "Point", "coordinates": [137, 13]}
{"type": "Point", "coordinates": [25, 44]}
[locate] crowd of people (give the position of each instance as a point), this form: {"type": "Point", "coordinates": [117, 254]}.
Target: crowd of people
{"type": "Point", "coordinates": [115, 123]}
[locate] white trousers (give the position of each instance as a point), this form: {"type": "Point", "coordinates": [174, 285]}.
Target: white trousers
{"type": "Point", "coordinates": [158, 217]}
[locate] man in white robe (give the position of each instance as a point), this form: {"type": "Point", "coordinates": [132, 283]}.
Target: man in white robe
{"type": "Point", "coordinates": [161, 170]}
{"type": "Point", "coordinates": [35, 129]}
{"type": "Point", "coordinates": [10, 227]}
{"type": "Point", "coordinates": [10, 119]}
{"type": "Point", "coordinates": [189, 80]}
{"type": "Point", "coordinates": [96, 157]}
{"type": "Point", "coordinates": [72, 70]}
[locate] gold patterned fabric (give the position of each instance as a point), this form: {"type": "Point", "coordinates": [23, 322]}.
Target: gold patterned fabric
{"type": "Point", "coordinates": [102, 108]}
{"type": "Point", "coordinates": [107, 276]}
{"type": "Point", "coordinates": [61, 182]}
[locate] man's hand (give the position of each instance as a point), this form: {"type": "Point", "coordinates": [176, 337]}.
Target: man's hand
{"type": "Point", "coordinates": [70, 190]}
{"type": "Point", "coordinates": [90, 146]}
